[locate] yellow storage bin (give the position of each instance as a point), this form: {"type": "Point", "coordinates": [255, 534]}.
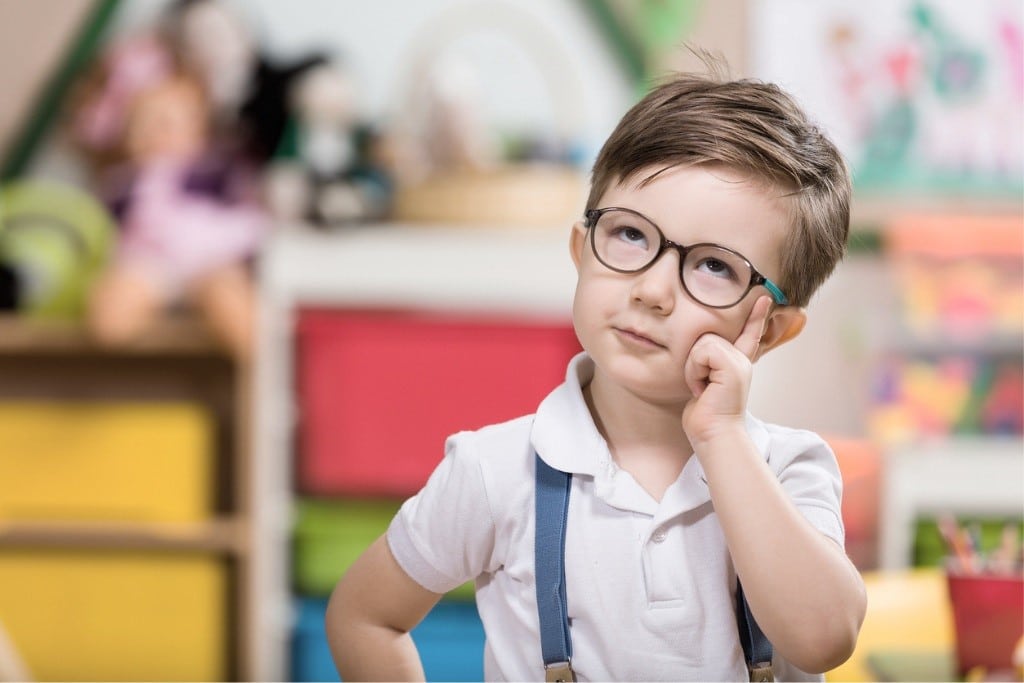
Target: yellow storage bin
{"type": "Point", "coordinates": [116, 615]}
{"type": "Point", "coordinates": [138, 462]}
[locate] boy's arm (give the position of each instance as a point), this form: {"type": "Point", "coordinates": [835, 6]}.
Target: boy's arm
{"type": "Point", "coordinates": [805, 594]}
{"type": "Point", "coordinates": [369, 616]}
{"type": "Point", "coordinates": [802, 589]}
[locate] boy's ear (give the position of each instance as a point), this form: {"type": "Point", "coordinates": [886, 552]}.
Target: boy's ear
{"type": "Point", "coordinates": [577, 243]}
{"type": "Point", "coordinates": [784, 324]}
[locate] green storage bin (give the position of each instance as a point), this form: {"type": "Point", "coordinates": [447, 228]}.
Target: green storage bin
{"type": "Point", "coordinates": [331, 534]}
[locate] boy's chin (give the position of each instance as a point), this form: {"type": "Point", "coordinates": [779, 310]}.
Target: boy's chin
{"type": "Point", "coordinates": [657, 389]}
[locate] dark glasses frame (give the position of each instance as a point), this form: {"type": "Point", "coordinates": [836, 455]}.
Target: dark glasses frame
{"type": "Point", "coordinates": [756, 278]}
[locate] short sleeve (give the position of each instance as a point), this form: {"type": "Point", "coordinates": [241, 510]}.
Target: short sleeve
{"type": "Point", "coordinates": [444, 535]}
{"type": "Point", "coordinates": [809, 474]}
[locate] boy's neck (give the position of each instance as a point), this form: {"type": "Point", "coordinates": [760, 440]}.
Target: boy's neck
{"type": "Point", "coordinates": [646, 439]}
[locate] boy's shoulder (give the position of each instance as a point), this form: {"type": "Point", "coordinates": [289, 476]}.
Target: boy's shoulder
{"type": "Point", "coordinates": [493, 441]}
{"type": "Point", "coordinates": [782, 444]}
{"type": "Point", "coordinates": [500, 458]}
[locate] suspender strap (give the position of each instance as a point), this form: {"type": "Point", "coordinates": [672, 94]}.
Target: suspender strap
{"type": "Point", "coordinates": [552, 511]}
{"type": "Point", "coordinates": [757, 650]}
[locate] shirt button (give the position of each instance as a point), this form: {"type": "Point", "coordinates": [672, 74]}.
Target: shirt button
{"type": "Point", "coordinates": [658, 536]}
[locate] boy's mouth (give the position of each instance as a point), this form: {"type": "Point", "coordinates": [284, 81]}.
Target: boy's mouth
{"type": "Point", "coordinates": [638, 337]}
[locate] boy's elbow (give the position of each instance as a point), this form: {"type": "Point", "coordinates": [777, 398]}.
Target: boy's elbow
{"type": "Point", "coordinates": [343, 621]}
{"type": "Point", "coordinates": [335, 622]}
{"type": "Point", "coordinates": [834, 642]}
{"type": "Point", "coordinates": [825, 654]}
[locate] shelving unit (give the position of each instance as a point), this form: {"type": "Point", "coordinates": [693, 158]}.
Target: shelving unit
{"type": "Point", "coordinates": [462, 270]}
{"type": "Point", "coordinates": [177, 361]}
{"type": "Point", "coordinates": [948, 396]}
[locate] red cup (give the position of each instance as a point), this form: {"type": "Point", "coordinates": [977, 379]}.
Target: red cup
{"type": "Point", "coordinates": [988, 615]}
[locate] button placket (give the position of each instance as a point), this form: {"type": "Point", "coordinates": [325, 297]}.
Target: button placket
{"type": "Point", "coordinates": [663, 557]}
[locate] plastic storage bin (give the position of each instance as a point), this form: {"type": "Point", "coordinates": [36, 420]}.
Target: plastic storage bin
{"type": "Point", "coordinates": [331, 534]}
{"type": "Point", "coordinates": [116, 615]}
{"type": "Point", "coordinates": [140, 462]}
{"type": "Point", "coordinates": [450, 641]}
{"type": "Point", "coordinates": [381, 390]}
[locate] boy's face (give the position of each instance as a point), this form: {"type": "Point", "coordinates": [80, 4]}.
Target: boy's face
{"type": "Point", "coordinates": [639, 327]}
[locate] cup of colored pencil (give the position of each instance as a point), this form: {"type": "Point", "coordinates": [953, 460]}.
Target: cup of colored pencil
{"type": "Point", "coordinates": [986, 591]}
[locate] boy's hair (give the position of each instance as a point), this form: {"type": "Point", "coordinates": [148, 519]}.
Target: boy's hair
{"type": "Point", "coordinates": [751, 126]}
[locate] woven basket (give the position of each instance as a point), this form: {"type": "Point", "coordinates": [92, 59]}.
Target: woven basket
{"type": "Point", "coordinates": [517, 194]}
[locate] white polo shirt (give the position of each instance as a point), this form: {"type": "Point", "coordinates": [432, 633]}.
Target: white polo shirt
{"type": "Point", "coordinates": [650, 585]}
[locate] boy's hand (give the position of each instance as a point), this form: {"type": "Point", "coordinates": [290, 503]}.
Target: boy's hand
{"type": "Point", "coordinates": [718, 373]}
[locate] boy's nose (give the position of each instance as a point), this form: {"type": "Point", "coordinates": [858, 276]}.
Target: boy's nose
{"type": "Point", "coordinates": [659, 285]}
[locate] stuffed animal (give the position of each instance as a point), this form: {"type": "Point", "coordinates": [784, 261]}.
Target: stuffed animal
{"type": "Point", "coordinates": [327, 171]}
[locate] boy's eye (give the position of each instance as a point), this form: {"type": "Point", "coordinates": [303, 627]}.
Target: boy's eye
{"type": "Point", "coordinates": [716, 267]}
{"type": "Point", "coordinates": [630, 235]}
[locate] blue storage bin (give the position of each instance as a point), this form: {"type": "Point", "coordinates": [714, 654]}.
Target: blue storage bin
{"type": "Point", "coordinates": [450, 641]}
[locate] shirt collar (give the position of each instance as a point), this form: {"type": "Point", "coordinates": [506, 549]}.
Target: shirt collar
{"type": "Point", "coordinates": [564, 433]}
{"type": "Point", "coordinates": [691, 490]}
{"type": "Point", "coordinates": [566, 438]}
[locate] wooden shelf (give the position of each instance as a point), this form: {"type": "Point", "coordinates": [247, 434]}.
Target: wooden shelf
{"type": "Point", "coordinates": [176, 359]}
{"type": "Point", "coordinates": [175, 335]}
{"type": "Point", "coordinates": [874, 210]}
{"type": "Point", "coordinates": [218, 535]}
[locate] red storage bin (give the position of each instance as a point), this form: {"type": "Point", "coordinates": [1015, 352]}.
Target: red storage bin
{"type": "Point", "coordinates": [380, 391]}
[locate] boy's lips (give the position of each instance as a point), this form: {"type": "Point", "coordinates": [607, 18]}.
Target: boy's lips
{"type": "Point", "coordinates": [638, 336]}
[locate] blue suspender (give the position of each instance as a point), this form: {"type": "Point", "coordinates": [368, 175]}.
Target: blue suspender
{"type": "Point", "coordinates": [552, 509]}
{"type": "Point", "coordinates": [757, 649]}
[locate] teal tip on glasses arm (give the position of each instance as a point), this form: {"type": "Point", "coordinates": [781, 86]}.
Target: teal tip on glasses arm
{"type": "Point", "coordinates": [780, 298]}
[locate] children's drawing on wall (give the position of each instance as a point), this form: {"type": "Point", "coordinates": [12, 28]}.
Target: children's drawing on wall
{"type": "Point", "coordinates": [923, 94]}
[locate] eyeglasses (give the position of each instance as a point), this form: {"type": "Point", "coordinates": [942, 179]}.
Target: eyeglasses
{"type": "Point", "coordinates": [628, 242]}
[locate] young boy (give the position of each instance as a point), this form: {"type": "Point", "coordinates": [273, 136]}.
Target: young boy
{"type": "Point", "coordinates": [716, 210]}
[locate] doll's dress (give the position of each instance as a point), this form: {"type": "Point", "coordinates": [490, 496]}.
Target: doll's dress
{"type": "Point", "coordinates": [180, 222]}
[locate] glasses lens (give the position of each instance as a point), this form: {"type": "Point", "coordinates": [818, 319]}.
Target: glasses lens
{"type": "Point", "coordinates": [716, 276]}
{"type": "Point", "coordinates": [625, 241]}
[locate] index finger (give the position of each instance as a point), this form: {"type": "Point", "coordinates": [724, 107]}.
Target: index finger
{"type": "Point", "coordinates": [750, 337]}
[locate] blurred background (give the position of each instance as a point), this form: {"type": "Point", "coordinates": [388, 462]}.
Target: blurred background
{"type": "Point", "coordinates": [258, 259]}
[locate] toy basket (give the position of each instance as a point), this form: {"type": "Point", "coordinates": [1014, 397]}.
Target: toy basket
{"type": "Point", "coordinates": [526, 194]}
{"type": "Point", "coordinates": [514, 195]}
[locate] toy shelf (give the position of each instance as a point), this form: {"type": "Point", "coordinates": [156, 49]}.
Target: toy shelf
{"type": "Point", "coordinates": [407, 274]}
{"type": "Point", "coordinates": [875, 209]}
{"type": "Point", "coordinates": [946, 393]}
{"type": "Point", "coordinates": [171, 335]}
{"type": "Point", "coordinates": [175, 363]}
{"type": "Point", "coordinates": [219, 536]}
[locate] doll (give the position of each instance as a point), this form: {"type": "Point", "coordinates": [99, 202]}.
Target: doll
{"type": "Point", "coordinates": [188, 217]}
